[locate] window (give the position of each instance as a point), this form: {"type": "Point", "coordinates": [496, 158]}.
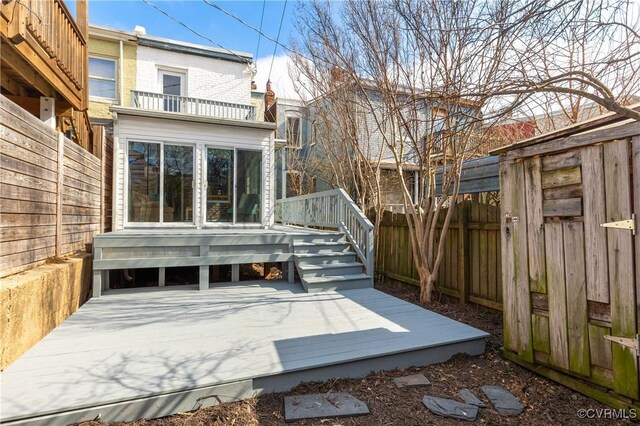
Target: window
{"type": "Point", "coordinates": [172, 85]}
{"type": "Point", "coordinates": [293, 132]}
{"type": "Point", "coordinates": [102, 78]}
{"type": "Point", "coordinates": [439, 130]}
{"type": "Point", "coordinates": [160, 182]}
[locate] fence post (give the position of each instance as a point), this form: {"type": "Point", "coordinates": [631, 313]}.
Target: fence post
{"type": "Point", "coordinates": [60, 189]}
{"type": "Point", "coordinates": [463, 251]}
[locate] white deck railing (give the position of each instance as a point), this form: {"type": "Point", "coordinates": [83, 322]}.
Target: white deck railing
{"type": "Point", "coordinates": [192, 106]}
{"type": "Point", "coordinates": [331, 209]}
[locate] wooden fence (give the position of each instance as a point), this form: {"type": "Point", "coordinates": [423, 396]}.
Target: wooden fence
{"type": "Point", "coordinates": [470, 270]}
{"type": "Point", "coordinates": [50, 192]}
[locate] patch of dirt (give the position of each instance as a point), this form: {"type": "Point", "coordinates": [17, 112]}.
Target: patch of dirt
{"type": "Point", "coordinates": [546, 402]}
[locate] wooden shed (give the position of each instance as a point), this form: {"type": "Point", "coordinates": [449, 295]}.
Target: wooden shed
{"type": "Point", "coordinates": [570, 252]}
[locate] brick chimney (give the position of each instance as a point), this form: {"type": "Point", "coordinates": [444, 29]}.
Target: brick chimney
{"type": "Point", "coordinates": [270, 104]}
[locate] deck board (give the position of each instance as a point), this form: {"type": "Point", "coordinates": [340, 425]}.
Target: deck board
{"type": "Point", "coordinates": [132, 344]}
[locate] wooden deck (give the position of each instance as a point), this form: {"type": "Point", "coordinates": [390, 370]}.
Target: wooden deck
{"type": "Point", "coordinates": [153, 352]}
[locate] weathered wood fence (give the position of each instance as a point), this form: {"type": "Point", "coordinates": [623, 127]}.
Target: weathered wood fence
{"type": "Point", "coordinates": [50, 192]}
{"type": "Point", "coordinates": [570, 202]}
{"type": "Point", "coordinates": [470, 270]}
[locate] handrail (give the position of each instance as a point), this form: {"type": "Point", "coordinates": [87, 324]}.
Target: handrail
{"type": "Point", "coordinates": [194, 106]}
{"type": "Point", "coordinates": [331, 209]}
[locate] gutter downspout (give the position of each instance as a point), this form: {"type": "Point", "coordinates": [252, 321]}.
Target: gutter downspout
{"type": "Point", "coordinates": [121, 77]}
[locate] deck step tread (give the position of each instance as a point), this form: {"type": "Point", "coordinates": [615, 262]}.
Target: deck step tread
{"type": "Point", "coordinates": [336, 278]}
{"type": "Point", "coordinates": [330, 254]}
{"type": "Point", "coordinates": [320, 243]}
{"type": "Point", "coordinates": [337, 265]}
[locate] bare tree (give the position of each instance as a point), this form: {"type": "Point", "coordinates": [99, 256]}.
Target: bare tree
{"type": "Point", "coordinates": [425, 75]}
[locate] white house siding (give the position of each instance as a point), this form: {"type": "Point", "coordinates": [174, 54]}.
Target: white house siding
{"type": "Point", "coordinates": [207, 78]}
{"type": "Point", "coordinates": [200, 135]}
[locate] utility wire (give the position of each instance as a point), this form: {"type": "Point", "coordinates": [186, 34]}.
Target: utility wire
{"type": "Point", "coordinates": [275, 47]}
{"type": "Point", "coordinates": [246, 24]}
{"type": "Point", "coordinates": [176, 20]}
{"type": "Point", "coordinates": [264, 2]}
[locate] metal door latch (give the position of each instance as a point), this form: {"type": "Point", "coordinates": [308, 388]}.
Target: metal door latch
{"type": "Point", "coordinates": [510, 219]}
{"type": "Point", "coordinates": [622, 224]}
{"type": "Point", "coordinates": [625, 341]}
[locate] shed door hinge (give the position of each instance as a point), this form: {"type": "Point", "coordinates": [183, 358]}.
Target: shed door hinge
{"type": "Point", "coordinates": [626, 341]}
{"type": "Point", "coordinates": [622, 224]}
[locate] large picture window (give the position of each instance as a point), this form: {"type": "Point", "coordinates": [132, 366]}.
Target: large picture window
{"type": "Point", "coordinates": [160, 182]}
{"type": "Point", "coordinates": [102, 78]}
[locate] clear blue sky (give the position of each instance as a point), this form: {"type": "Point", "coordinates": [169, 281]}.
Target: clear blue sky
{"type": "Point", "coordinates": [126, 14]}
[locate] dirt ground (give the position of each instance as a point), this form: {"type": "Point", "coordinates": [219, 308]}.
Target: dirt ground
{"type": "Point", "coordinates": [546, 402]}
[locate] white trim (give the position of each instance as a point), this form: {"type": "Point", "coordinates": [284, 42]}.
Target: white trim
{"type": "Point", "coordinates": [115, 78]}
{"type": "Point", "coordinates": [263, 205]}
{"type": "Point", "coordinates": [287, 117]}
{"type": "Point", "coordinates": [175, 72]}
{"type": "Point", "coordinates": [161, 223]}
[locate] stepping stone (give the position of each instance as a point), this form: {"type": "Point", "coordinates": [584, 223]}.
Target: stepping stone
{"type": "Point", "coordinates": [413, 380]}
{"type": "Point", "coordinates": [450, 408]}
{"type": "Point", "coordinates": [337, 404]}
{"type": "Point", "coordinates": [470, 398]}
{"type": "Point", "coordinates": [504, 401]}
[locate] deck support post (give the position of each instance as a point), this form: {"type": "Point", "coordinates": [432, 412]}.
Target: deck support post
{"type": "Point", "coordinates": [235, 273]}
{"type": "Point", "coordinates": [97, 273]}
{"type": "Point", "coordinates": [161, 277]}
{"type": "Point", "coordinates": [290, 272]}
{"type": "Point", "coordinates": [204, 269]}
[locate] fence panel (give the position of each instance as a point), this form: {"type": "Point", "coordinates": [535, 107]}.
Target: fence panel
{"type": "Point", "coordinates": [470, 269]}
{"type": "Point", "coordinates": [49, 192]}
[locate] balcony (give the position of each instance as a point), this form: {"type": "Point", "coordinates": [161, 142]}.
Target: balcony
{"type": "Point", "coordinates": [192, 106]}
{"type": "Point", "coordinates": [45, 48]}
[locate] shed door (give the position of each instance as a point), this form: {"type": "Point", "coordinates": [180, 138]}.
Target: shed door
{"type": "Point", "coordinates": [568, 281]}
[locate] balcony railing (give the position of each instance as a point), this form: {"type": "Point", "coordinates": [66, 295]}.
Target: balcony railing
{"type": "Point", "coordinates": [47, 36]}
{"type": "Point", "coordinates": [192, 106]}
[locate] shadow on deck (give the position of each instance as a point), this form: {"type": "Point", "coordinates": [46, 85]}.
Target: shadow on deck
{"type": "Point", "coordinates": [150, 353]}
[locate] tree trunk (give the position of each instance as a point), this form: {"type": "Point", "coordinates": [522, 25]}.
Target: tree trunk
{"type": "Point", "coordinates": [427, 281]}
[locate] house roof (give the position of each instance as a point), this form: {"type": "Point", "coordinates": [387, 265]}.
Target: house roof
{"type": "Point", "coordinates": [169, 44]}
{"type": "Point", "coordinates": [609, 120]}
{"type": "Point", "coordinates": [194, 49]}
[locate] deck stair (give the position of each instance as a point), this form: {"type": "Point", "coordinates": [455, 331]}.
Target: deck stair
{"type": "Point", "coordinates": [328, 263]}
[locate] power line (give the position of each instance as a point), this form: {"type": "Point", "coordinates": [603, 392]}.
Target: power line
{"type": "Point", "coordinates": [275, 47]}
{"type": "Point", "coordinates": [176, 20]}
{"type": "Point", "coordinates": [246, 24]}
{"type": "Point", "coordinates": [264, 2]}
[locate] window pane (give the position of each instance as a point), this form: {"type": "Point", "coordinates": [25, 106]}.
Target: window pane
{"type": "Point", "coordinates": [103, 68]}
{"type": "Point", "coordinates": [249, 171]}
{"type": "Point", "coordinates": [293, 131]}
{"type": "Point", "coordinates": [171, 84]}
{"type": "Point", "coordinates": [219, 185]}
{"type": "Point", "coordinates": [178, 184]}
{"type": "Point", "coordinates": [144, 182]}
{"type": "Point", "coordinates": [102, 88]}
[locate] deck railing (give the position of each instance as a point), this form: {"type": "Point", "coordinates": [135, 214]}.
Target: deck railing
{"type": "Point", "coordinates": [192, 106]}
{"type": "Point", "coordinates": [57, 47]}
{"type": "Point", "coordinates": [331, 209]}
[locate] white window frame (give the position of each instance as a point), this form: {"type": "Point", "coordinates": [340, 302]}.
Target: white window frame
{"type": "Point", "coordinates": [115, 78]}
{"type": "Point", "coordinates": [176, 72]}
{"type": "Point", "coordinates": [286, 130]}
{"type": "Point", "coordinates": [161, 223]}
{"type": "Point", "coordinates": [234, 223]}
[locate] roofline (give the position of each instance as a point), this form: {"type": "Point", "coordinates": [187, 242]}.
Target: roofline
{"type": "Point", "coordinates": [194, 49]}
{"type": "Point", "coordinates": [260, 125]}
{"type": "Point", "coordinates": [96, 31]}
{"type": "Point", "coordinates": [582, 126]}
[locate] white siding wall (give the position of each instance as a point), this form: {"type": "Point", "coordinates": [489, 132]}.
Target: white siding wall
{"type": "Point", "coordinates": [200, 135]}
{"type": "Point", "coordinates": [207, 78]}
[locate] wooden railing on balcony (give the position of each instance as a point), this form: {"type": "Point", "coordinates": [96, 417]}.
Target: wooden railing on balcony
{"type": "Point", "coordinates": [52, 43]}
{"type": "Point", "coordinates": [192, 106]}
{"type": "Point", "coordinates": [331, 209]}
